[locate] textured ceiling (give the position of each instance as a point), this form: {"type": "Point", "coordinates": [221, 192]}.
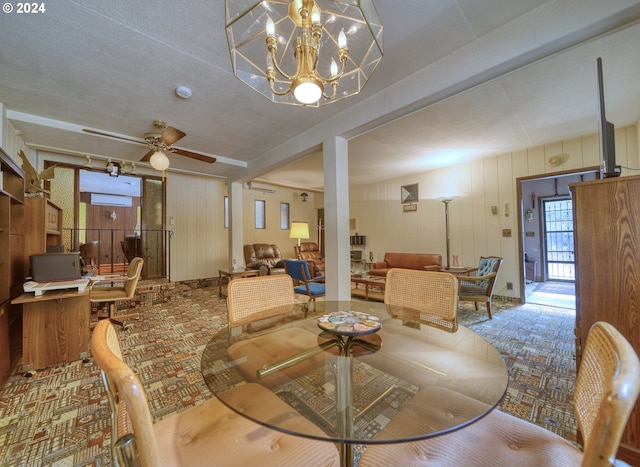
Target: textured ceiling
{"type": "Point", "coordinates": [113, 67]}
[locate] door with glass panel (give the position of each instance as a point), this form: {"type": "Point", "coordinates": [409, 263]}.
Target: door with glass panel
{"type": "Point", "coordinates": [558, 239]}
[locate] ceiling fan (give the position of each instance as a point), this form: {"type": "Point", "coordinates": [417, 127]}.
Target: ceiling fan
{"type": "Point", "coordinates": [160, 140]}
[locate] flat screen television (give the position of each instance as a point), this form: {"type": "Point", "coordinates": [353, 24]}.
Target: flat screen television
{"type": "Point", "coordinates": [608, 167]}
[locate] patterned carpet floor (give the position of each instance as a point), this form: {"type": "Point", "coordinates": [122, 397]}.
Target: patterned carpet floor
{"type": "Point", "coordinates": [60, 418]}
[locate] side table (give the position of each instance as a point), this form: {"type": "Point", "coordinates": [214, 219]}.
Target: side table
{"type": "Point", "coordinates": [226, 275]}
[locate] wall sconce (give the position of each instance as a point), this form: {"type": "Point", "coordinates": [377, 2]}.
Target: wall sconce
{"type": "Point", "coordinates": [303, 196]}
{"type": "Point", "coordinates": [113, 215]}
{"type": "Point", "coordinates": [528, 215]}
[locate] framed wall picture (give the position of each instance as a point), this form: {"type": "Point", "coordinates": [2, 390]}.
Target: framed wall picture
{"type": "Point", "coordinates": [409, 194]}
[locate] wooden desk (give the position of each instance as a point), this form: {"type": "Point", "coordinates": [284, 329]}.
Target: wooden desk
{"type": "Point", "coordinates": [55, 327]}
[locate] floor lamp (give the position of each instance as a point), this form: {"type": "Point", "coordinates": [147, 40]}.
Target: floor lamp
{"type": "Point", "coordinates": [299, 230]}
{"type": "Point", "coordinates": [446, 223]}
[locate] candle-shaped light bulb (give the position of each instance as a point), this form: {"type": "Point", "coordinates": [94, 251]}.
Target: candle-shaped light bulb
{"type": "Point", "coordinates": [342, 40]}
{"type": "Point", "coordinates": [271, 28]}
{"type": "Point", "coordinates": [334, 68]}
{"type": "Point", "coordinates": [315, 17]}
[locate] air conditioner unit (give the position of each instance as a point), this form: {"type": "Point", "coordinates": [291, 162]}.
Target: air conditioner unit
{"type": "Point", "coordinates": [110, 200]}
{"type": "Point", "coordinates": [260, 187]}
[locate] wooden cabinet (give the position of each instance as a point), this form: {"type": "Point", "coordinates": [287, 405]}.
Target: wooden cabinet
{"type": "Point", "coordinates": [607, 247]}
{"type": "Point", "coordinates": [12, 263]}
{"type": "Point", "coordinates": [55, 328]}
{"type": "Point", "coordinates": [43, 224]}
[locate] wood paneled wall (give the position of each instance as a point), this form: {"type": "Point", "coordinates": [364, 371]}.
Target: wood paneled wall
{"type": "Point", "coordinates": [476, 186]}
{"type": "Point", "coordinates": [99, 217]}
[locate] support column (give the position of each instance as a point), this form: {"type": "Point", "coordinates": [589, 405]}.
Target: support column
{"type": "Point", "coordinates": [336, 213]}
{"type": "Point", "coordinates": [236, 232]}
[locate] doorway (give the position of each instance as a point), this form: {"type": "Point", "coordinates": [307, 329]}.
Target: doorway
{"type": "Point", "coordinates": [548, 268]}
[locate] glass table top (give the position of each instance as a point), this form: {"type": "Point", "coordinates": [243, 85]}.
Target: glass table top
{"type": "Point", "coordinates": [352, 386]}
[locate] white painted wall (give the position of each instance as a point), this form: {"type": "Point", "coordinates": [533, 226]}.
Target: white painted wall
{"type": "Point", "coordinates": [199, 244]}
{"type": "Point", "coordinates": [298, 210]}
{"type": "Point", "coordinates": [478, 185]}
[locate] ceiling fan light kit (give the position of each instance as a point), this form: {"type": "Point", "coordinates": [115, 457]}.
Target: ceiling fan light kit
{"type": "Point", "coordinates": [348, 32]}
{"type": "Point", "coordinates": [161, 140]}
{"type": "Point", "coordinates": [159, 161]}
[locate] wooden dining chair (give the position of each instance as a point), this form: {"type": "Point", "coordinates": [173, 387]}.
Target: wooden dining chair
{"type": "Point", "coordinates": [251, 301]}
{"type": "Point", "coordinates": [255, 298]}
{"type": "Point", "coordinates": [209, 434]}
{"type": "Point", "coordinates": [125, 290]}
{"type": "Point", "coordinates": [607, 387]}
{"type": "Point", "coordinates": [432, 296]}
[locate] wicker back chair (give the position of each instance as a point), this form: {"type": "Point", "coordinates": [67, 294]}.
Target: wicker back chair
{"type": "Point", "coordinates": [431, 297]}
{"type": "Point", "coordinates": [478, 286]}
{"type": "Point", "coordinates": [207, 434]}
{"type": "Point", "coordinates": [255, 298]}
{"type": "Point", "coordinates": [606, 391]}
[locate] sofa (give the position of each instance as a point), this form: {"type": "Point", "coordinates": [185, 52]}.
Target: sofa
{"type": "Point", "coordinates": [310, 252]}
{"type": "Point", "coordinates": [420, 261]}
{"type": "Point", "coordinates": [264, 257]}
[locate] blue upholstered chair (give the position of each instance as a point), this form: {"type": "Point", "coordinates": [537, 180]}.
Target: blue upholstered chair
{"type": "Point", "coordinates": [299, 272]}
{"type": "Point", "coordinates": [478, 287]}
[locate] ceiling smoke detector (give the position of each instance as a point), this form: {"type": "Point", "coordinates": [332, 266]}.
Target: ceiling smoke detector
{"type": "Point", "coordinates": [183, 91]}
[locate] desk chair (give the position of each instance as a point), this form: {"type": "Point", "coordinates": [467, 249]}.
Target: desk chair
{"type": "Point", "coordinates": [299, 271]}
{"type": "Point", "coordinates": [89, 252]}
{"type": "Point", "coordinates": [209, 434]}
{"type": "Point", "coordinates": [606, 390]}
{"type": "Point", "coordinates": [433, 296]}
{"type": "Point", "coordinates": [113, 294]}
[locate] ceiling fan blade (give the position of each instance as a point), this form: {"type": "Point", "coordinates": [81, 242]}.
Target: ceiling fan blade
{"type": "Point", "coordinates": [171, 135]}
{"type": "Point", "coordinates": [193, 155]}
{"type": "Point", "coordinates": [147, 156]}
{"type": "Point", "coordinates": [99, 133]}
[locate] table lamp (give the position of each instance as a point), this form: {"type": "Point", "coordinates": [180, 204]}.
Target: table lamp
{"type": "Point", "coordinates": [299, 230]}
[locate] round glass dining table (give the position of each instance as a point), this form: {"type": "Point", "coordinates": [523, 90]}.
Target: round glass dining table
{"type": "Point", "coordinates": [361, 371]}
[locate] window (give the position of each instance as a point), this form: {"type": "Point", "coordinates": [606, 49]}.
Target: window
{"type": "Point", "coordinates": [226, 212]}
{"type": "Point", "coordinates": [284, 216]}
{"type": "Point", "coordinates": [260, 214]}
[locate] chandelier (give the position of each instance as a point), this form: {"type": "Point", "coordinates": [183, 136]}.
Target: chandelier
{"type": "Point", "coordinates": [304, 52]}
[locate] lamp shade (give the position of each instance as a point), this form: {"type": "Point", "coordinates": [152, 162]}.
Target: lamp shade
{"type": "Point", "coordinates": [299, 230]}
{"type": "Point", "coordinates": [159, 161]}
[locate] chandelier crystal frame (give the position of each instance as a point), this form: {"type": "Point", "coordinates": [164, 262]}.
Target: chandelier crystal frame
{"type": "Point", "coordinates": [283, 48]}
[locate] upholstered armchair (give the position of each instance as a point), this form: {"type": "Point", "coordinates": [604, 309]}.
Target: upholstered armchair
{"type": "Point", "coordinates": [310, 252]}
{"type": "Point", "coordinates": [264, 257]}
{"type": "Point", "coordinates": [478, 287]}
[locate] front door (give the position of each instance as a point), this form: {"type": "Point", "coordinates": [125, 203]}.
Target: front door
{"type": "Point", "coordinates": [558, 239]}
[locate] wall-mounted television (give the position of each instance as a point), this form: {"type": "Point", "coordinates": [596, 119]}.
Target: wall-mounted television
{"type": "Point", "coordinates": [608, 167]}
